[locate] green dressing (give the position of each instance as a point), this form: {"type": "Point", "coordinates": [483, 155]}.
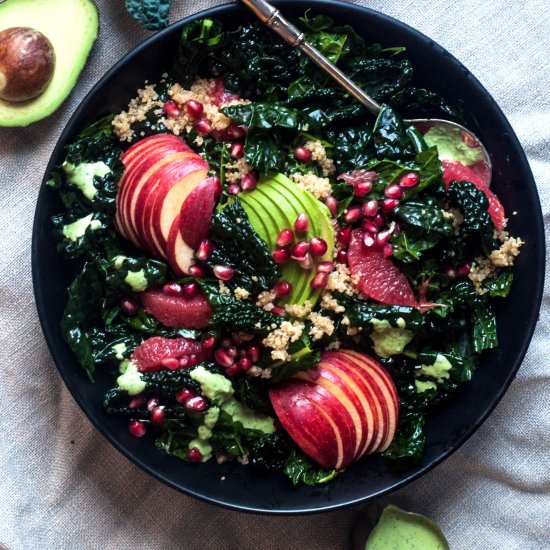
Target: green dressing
{"type": "Point", "coordinates": [131, 380]}
{"type": "Point", "coordinates": [83, 175]}
{"type": "Point", "coordinates": [388, 340]}
{"type": "Point", "coordinates": [137, 280]}
{"type": "Point", "coordinates": [73, 231]}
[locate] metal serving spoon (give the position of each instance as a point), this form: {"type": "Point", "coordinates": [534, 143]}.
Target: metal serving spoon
{"type": "Point", "coordinates": [272, 17]}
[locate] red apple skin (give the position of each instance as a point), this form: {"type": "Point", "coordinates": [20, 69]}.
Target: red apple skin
{"type": "Point", "coordinates": [196, 212]}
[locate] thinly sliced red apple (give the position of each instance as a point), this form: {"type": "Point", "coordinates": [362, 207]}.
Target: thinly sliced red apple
{"type": "Point", "coordinates": [180, 255]}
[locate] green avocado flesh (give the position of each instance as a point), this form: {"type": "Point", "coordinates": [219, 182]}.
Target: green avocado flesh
{"type": "Point", "coordinates": [450, 145]}
{"type": "Point", "coordinates": [72, 27]}
{"type": "Point", "coordinates": [400, 530]}
{"type": "Point", "coordinates": [274, 205]}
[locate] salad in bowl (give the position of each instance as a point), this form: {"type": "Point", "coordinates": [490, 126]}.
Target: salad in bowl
{"type": "Point", "coordinates": [271, 275]}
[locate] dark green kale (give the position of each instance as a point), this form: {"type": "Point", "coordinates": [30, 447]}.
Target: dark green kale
{"type": "Point", "coordinates": [263, 115]}
{"type": "Point", "coordinates": [301, 469]}
{"type": "Point", "coordinates": [408, 445]}
{"type": "Point", "coordinates": [500, 285]}
{"type": "Point", "coordinates": [270, 452]}
{"type": "Point", "coordinates": [390, 137]}
{"type": "Point", "coordinates": [150, 14]}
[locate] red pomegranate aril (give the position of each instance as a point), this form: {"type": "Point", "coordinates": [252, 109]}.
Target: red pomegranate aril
{"type": "Point", "coordinates": [379, 220]}
{"type": "Point", "coordinates": [129, 306]}
{"type": "Point", "coordinates": [352, 214]}
{"type": "Point", "coordinates": [325, 267]}
{"type": "Point", "coordinates": [172, 289]}
{"type": "Point", "coordinates": [157, 416]}
{"type": "Point", "coordinates": [342, 256]}
{"type": "Point", "coordinates": [370, 208]}
{"type": "Point", "coordinates": [409, 180]}
{"type": "Point", "coordinates": [197, 404]}
{"type": "Point", "coordinates": [226, 343]}
{"type": "Point", "coordinates": [196, 271]}
{"type": "Point", "coordinates": [332, 204]}
{"type": "Point", "coordinates": [232, 351]}
{"type": "Point", "coordinates": [194, 108]}
{"type": "Point", "coordinates": [236, 151]}
{"type": "Point", "coordinates": [206, 247]}
{"type": "Point", "coordinates": [223, 272]}
{"type": "Point", "coordinates": [218, 187]}
{"type": "Point", "coordinates": [319, 281]}
{"type": "Point", "coordinates": [242, 352]}
{"type": "Point", "coordinates": [285, 237]}
{"type": "Point", "coordinates": [362, 188]}
{"type": "Point", "coordinates": [307, 262]}
{"type": "Point", "coordinates": [254, 353]}
{"type": "Point", "coordinates": [152, 403]}
{"type": "Point", "coordinates": [234, 189]}
{"type": "Point", "coordinates": [278, 310]}
{"type": "Point", "coordinates": [389, 204]}
{"type": "Point", "coordinates": [370, 226]}
{"type": "Point", "coordinates": [223, 358]}
{"type": "Point", "coordinates": [299, 251]}
{"type": "Point", "coordinates": [208, 343]}
{"type": "Point", "coordinates": [301, 224]}
{"type": "Point", "coordinates": [303, 155]}
{"type": "Point", "coordinates": [184, 394]}
{"type": "Point", "coordinates": [282, 288]}
{"type": "Point", "coordinates": [344, 235]}
{"type": "Point", "coordinates": [369, 240]}
{"type": "Point", "coordinates": [237, 340]}
{"type": "Point", "coordinates": [137, 428]}
{"type": "Point", "coordinates": [317, 246]}
{"type": "Point", "coordinates": [203, 126]}
{"type": "Point", "coordinates": [192, 360]}
{"type": "Point", "coordinates": [464, 270]}
{"type": "Point", "coordinates": [189, 289]}
{"type": "Point", "coordinates": [393, 191]}
{"type": "Point", "coordinates": [387, 251]}
{"type": "Point", "coordinates": [171, 363]}
{"type": "Point", "coordinates": [171, 109]}
{"type": "Point", "coordinates": [281, 255]}
{"type": "Point", "coordinates": [234, 132]}
{"type": "Point", "coordinates": [232, 370]}
{"type": "Point", "coordinates": [244, 364]}
{"type": "Point", "coordinates": [383, 237]}
{"type": "Point", "coordinates": [249, 182]}
{"type": "Point", "coordinates": [136, 403]}
{"type": "Point", "coordinates": [184, 362]}
{"type": "Point", "coordinates": [194, 455]}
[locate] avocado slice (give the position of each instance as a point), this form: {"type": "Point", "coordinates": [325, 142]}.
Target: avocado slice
{"type": "Point", "coordinates": [275, 204]}
{"type": "Point", "coordinates": [72, 28]}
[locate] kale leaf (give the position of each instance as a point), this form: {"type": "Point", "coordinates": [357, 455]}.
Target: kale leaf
{"type": "Point", "coordinates": [408, 445]}
{"type": "Point", "coordinates": [150, 14]}
{"type": "Point", "coordinates": [270, 452]}
{"type": "Point", "coordinates": [301, 469]}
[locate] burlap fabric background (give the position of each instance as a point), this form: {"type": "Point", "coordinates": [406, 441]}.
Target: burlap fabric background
{"type": "Point", "coordinates": [56, 494]}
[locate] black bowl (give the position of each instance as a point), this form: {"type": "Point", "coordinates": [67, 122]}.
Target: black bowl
{"type": "Point", "coordinates": [447, 429]}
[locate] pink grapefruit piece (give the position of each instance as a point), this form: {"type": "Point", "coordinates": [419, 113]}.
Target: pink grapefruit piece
{"type": "Point", "coordinates": [379, 277]}
{"type": "Point", "coordinates": [149, 355]}
{"type": "Point", "coordinates": [177, 311]}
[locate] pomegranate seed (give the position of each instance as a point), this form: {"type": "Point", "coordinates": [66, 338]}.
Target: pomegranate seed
{"type": "Point", "coordinates": [299, 251]}
{"type": "Point", "coordinates": [464, 270]}
{"type": "Point", "coordinates": [451, 273]}
{"type": "Point", "coordinates": [282, 288]}
{"type": "Point", "coordinates": [184, 394]}
{"type": "Point", "coordinates": [389, 204]}
{"type": "Point", "coordinates": [344, 235]}
{"type": "Point", "coordinates": [325, 267]}
{"type": "Point", "coordinates": [206, 247]}
{"type": "Point", "coordinates": [249, 182]}
{"type": "Point", "coordinates": [189, 289]}
{"type": "Point", "coordinates": [137, 428]}
{"type": "Point", "coordinates": [362, 188]}
{"type": "Point", "coordinates": [184, 362]}
{"type": "Point", "coordinates": [236, 339]}
{"type": "Point", "coordinates": [232, 351]}
{"type": "Point", "coordinates": [194, 455]}
{"type": "Point", "coordinates": [172, 289]}
{"type": "Point", "coordinates": [171, 363]}
{"type": "Point", "coordinates": [319, 281]}
{"type": "Point", "coordinates": [332, 205]}
{"type": "Point", "coordinates": [236, 150]}
{"type": "Point", "coordinates": [234, 132]}
{"type": "Point", "coordinates": [208, 343]}
{"type": "Point", "coordinates": [223, 272]}
{"type": "Point", "coordinates": [358, 175]}
{"type": "Point", "coordinates": [254, 353]}
{"type": "Point", "coordinates": [242, 352]}
{"type": "Point", "coordinates": [232, 370]}
{"type": "Point", "coordinates": [387, 251]}
{"type": "Point", "coordinates": [307, 262]}
{"type": "Point", "coordinates": [171, 109]}
{"type": "Point", "coordinates": [244, 364]}
{"type": "Point", "coordinates": [218, 188]}
{"type": "Point", "coordinates": [281, 255]}
{"type": "Point", "coordinates": [157, 416]}
{"type": "Point", "coordinates": [129, 306]}
{"type": "Point", "coordinates": [197, 404]}
{"type": "Point", "coordinates": [409, 180]}
{"type": "Point", "coordinates": [369, 240]}
{"type": "Point", "coordinates": [196, 271]}
{"type": "Point", "coordinates": [234, 189]}
{"type": "Point", "coordinates": [379, 220]}
{"type": "Point", "coordinates": [370, 226]}
{"type": "Point", "coordinates": [194, 108]}
{"type": "Point", "coordinates": [223, 358]}
{"type": "Point", "coordinates": [383, 237]}
{"type": "Point", "coordinates": [317, 246]}
{"type": "Point", "coordinates": [301, 224]}
{"type": "Point", "coordinates": [136, 403]}
{"type": "Point", "coordinates": [301, 154]}
{"type": "Point", "coordinates": [203, 126]}
{"type": "Point", "coordinates": [192, 360]}
{"type": "Point", "coordinates": [352, 214]}
{"type": "Point", "coordinates": [285, 237]}
{"type": "Point", "coordinates": [278, 310]}
{"type": "Point", "coordinates": [226, 343]}
{"type": "Point", "coordinates": [152, 403]}
{"type": "Point", "coordinates": [393, 191]}
{"type": "Point", "coordinates": [342, 256]}
{"type": "Point", "coordinates": [370, 208]}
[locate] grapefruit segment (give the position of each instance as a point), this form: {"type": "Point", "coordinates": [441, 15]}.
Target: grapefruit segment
{"type": "Point", "coordinates": [149, 355]}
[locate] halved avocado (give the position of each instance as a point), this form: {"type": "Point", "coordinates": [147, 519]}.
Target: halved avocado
{"type": "Point", "coordinates": [72, 27]}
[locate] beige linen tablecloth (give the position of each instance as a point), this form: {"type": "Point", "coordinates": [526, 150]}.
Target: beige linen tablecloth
{"type": "Point", "coordinates": [62, 486]}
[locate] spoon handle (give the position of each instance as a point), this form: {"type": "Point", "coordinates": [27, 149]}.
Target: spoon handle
{"type": "Point", "coordinates": [272, 17]}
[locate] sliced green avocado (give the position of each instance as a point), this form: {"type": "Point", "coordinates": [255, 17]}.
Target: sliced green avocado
{"type": "Point", "coordinates": [274, 205]}
{"type": "Point", "coordinates": [71, 26]}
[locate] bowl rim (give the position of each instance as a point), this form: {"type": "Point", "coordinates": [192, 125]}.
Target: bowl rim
{"type": "Point", "coordinates": [69, 129]}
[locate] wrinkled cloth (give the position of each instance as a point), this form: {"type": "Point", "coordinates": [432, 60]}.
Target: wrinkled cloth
{"type": "Point", "coordinates": [63, 486]}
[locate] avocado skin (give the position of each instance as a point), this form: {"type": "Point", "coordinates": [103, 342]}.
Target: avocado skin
{"type": "Point", "coordinates": [274, 205]}
{"type": "Point", "coordinates": [72, 27]}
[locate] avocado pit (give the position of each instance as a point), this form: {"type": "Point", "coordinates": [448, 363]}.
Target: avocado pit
{"type": "Point", "coordinates": [27, 61]}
